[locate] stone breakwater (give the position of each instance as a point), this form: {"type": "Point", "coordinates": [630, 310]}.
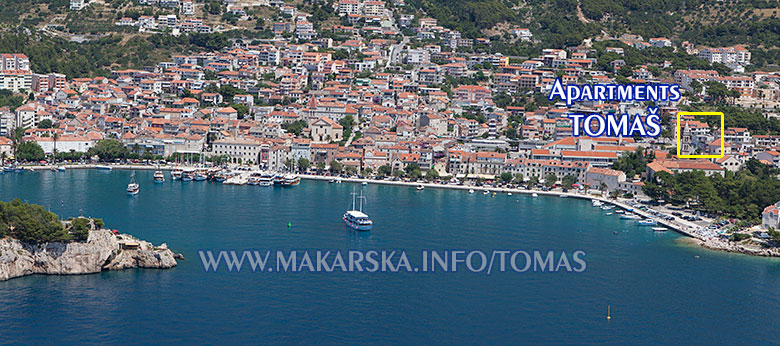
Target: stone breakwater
{"type": "Point", "coordinates": [103, 250]}
{"type": "Point", "coordinates": [730, 246]}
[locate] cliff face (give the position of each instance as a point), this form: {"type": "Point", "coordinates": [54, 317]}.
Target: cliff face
{"type": "Point", "coordinates": [100, 252]}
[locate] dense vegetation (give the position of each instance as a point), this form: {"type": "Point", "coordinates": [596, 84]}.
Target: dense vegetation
{"type": "Point", "coordinates": [743, 194]}
{"type": "Point", "coordinates": [32, 223]}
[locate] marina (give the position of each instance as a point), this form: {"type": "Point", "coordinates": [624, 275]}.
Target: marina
{"type": "Point", "coordinates": [212, 216]}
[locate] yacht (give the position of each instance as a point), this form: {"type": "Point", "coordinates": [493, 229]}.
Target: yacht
{"type": "Point", "coordinates": [355, 218]}
{"type": "Point", "coordinates": [266, 180]}
{"type": "Point", "coordinates": [159, 177]}
{"type": "Point", "coordinates": [132, 187]}
{"type": "Point", "coordinates": [176, 174]}
{"type": "Point", "coordinates": [291, 180]}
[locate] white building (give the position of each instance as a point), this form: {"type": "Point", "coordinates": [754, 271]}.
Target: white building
{"type": "Point", "coordinates": [725, 55]}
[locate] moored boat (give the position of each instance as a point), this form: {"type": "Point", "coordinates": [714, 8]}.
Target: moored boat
{"type": "Point", "coordinates": [647, 222]}
{"type": "Point", "coordinates": [104, 167]}
{"type": "Point", "coordinates": [291, 180]}
{"type": "Point", "coordinates": [420, 187]}
{"type": "Point", "coordinates": [159, 177]}
{"type": "Point", "coordinates": [660, 229]}
{"type": "Point", "coordinates": [176, 174]}
{"type": "Point", "coordinates": [187, 176]}
{"type": "Point", "coordinates": [133, 188]}
{"type": "Point", "coordinates": [628, 216]}
{"type": "Point", "coordinates": [266, 180]}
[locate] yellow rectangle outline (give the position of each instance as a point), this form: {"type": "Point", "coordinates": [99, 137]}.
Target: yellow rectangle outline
{"type": "Point", "coordinates": [722, 136]}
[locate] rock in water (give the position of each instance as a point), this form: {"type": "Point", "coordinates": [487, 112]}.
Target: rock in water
{"type": "Point", "coordinates": [102, 251]}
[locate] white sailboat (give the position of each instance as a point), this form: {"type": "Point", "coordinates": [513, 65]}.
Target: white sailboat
{"type": "Point", "coordinates": [355, 218]}
{"type": "Point", "coordinates": [133, 188]}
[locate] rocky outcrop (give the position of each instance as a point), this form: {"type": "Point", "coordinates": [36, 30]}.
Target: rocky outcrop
{"type": "Point", "coordinates": [736, 247]}
{"type": "Point", "coordinates": [103, 250]}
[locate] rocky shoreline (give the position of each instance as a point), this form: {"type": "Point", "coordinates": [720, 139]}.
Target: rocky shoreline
{"type": "Point", "coordinates": [736, 247]}
{"type": "Point", "coordinates": [103, 250]}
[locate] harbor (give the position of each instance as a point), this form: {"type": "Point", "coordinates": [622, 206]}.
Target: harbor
{"type": "Point", "coordinates": [211, 216]}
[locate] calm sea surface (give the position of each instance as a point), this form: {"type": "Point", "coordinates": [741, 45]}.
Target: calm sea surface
{"type": "Point", "coordinates": [658, 290]}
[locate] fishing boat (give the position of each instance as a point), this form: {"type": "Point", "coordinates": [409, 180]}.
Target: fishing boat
{"type": "Point", "coordinates": [660, 229]}
{"type": "Point", "coordinates": [176, 174]}
{"type": "Point", "coordinates": [355, 218]}
{"type": "Point", "coordinates": [159, 177]}
{"type": "Point", "coordinates": [628, 216]}
{"type": "Point", "coordinates": [220, 177]}
{"type": "Point", "coordinates": [104, 167]}
{"type": "Point", "coordinates": [200, 176]}
{"type": "Point", "coordinates": [132, 187]}
{"type": "Point", "coordinates": [278, 179]}
{"type": "Point", "coordinates": [291, 180]}
{"type": "Point", "coordinates": [647, 222]}
{"type": "Point", "coordinates": [420, 187]}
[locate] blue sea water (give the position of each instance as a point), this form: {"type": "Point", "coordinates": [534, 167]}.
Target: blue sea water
{"type": "Point", "coordinates": [658, 290]}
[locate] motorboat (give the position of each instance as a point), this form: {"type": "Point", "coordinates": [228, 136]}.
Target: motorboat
{"type": "Point", "coordinates": [133, 188]}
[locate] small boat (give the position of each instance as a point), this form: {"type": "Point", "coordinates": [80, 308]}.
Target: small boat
{"type": "Point", "coordinates": [608, 214]}
{"type": "Point", "coordinates": [420, 187]}
{"type": "Point", "coordinates": [278, 179]}
{"type": "Point", "coordinates": [364, 183]}
{"type": "Point", "coordinates": [471, 191]}
{"type": "Point", "coordinates": [8, 169]}
{"type": "Point", "coordinates": [596, 203]}
{"type": "Point", "coordinates": [104, 167]}
{"type": "Point", "coordinates": [485, 192]}
{"type": "Point", "coordinates": [159, 177]}
{"type": "Point", "coordinates": [331, 181]}
{"type": "Point", "coordinates": [53, 169]}
{"type": "Point", "coordinates": [187, 176]}
{"type": "Point", "coordinates": [563, 196]}
{"type": "Point", "coordinates": [629, 217]}
{"type": "Point", "coordinates": [291, 180]}
{"type": "Point", "coordinates": [355, 218]}
{"type": "Point", "coordinates": [176, 174]}
{"type": "Point", "coordinates": [338, 181]}
{"type": "Point", "coordinates": [660, 229]}
{"type": "Point", "coordinates": [253, 179]}
{"type": "Point", "coordinates": [647, 222]}
{"type": "Point", "coordinates": [606, 207]}
{"type": "Point", "coordinates": [199, 176]}
{"type": "Point", "coordinates": [220, 177]}
{"type": "Point", "coordinates": [615, 232]}
{"type": "Point", "coordinates": [61, 168]}
{"type": "Point", "coordinates": [619, 211]}
{"type": "Point", "coordinates": [534, 194]}
{"type": "Point", "coordinates": [132, 187]}
{"type": "Point", "coordinates": [508, 193]}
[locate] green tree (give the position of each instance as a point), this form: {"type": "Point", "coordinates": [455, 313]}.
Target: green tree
{"type": "Point", "coordinates": [431, 175]}
{"type": "Point", "coordinates": [506, 177]}
{"type": "Point", "coordinates": [29, 151]}
{"type": "Point", "coordinates": [550, 179]}
{"type": "Point", "coordinates": [303, 164]}
{"type": "Point", "coordinates": [109, 150]}
{"type": "Point", "coordinates": [45, 124]}
{"type": "Point", "coordinates": [335, 167]}
{"type": "Point", "coordinates": [384, 170]}
{"type": "Point", "coordinates": [568, 181]}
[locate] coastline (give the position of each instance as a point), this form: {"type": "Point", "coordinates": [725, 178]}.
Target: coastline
{"type": "Point", "coordinates": [682, 227]}
{"type": "Point", "coordinates": [103, 250]}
